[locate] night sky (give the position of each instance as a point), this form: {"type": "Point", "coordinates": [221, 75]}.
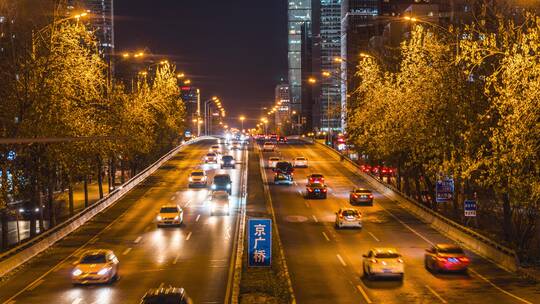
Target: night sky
{"type": "Point", "coordinates": [236, 49]}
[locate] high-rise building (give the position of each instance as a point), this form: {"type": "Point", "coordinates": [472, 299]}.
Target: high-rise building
{"type": "Point", "coordinates": [282, 99]}
{"type": "Point", "coordinates": [330, 45]}
{"type": "Point", "coordinates": [299, 12]}
{"type": "Point", "coordinates": [191, 97]}
{"type": "Point", "coordinates": [101, 19]}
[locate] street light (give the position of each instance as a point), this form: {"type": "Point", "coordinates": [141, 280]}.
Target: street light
{"type": "Point", "coordinates": [187, 81]}
{"type": "Point", "coordinates": [312, 80]}
{"type": "Point", "coordinates": [180, 75]}
{"type": "Point", "coordinates": [242, 118]}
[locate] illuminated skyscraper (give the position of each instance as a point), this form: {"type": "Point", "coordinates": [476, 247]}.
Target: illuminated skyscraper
{"type": "Point", "coordinates": [101, 18]}
{"type": "Point", "coordinates": [299, 12]}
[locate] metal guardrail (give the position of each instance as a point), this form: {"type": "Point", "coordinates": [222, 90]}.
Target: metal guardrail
{"type": "Point", "coordinates": [21, 254]}
{"type": "Point", "coordinates": [510, 262]}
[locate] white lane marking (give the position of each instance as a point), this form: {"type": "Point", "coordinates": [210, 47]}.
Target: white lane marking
{"type": "Point", "coordinates": [364, 294]}
{"type": "Point", "coordinates": [373, 236]}
{"type": "Point", "coordinates": [126, 251]}
{"type": "Point", "coordinates": [315, 219]}
{"type": "Point", "coordinates": [307, 204]}
{"type": "Point", "coordinates": [147, 228]}
{"type": "Point", "coordinates": [77, 301]}
{"type": "Point", "coordinates": [173, 197]}
{"type": "Point", "coordinates": [407, 226]}
{"type": "Point", "coordinates": [93, 240]}
{"type": "Point", "coordinates": [499, 288]}
{"type": "Point", "coordinates": [138, 240]}
{"type": "Point", "coordinates": [436, 294]}
{"type": "Point", "coordinates": [326, 236]}
{"type": "Point", "coordinates": [35, 285]}
{"type": "Point", "coordinates": [295, 183]}
{"type": "Point", "coordinates": [188, 236]}
{"type": "Point", "coordinates": [176, 259]}
{"type": "Point", "coordinates": [198, 217]}
{"type": "Point", "coordinates": [10, 302]}
{"type": "Point", "coordinates": [341, 260]}
{"type": "Point", "coordinates": [161, 285]}
{"type": "Point", "coordinates": [299, 191]}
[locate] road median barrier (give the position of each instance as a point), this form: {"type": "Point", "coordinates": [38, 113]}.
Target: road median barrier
{"type": "Point", "coordinates": [16, 257]}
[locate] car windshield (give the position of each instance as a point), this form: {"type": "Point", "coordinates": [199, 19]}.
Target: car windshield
{"type": "Point", "coordinates": [222, 179]}
{"type": "Point", "coordinates": [197, 173]}
{"type": "Point", "coordinates": [227, 157]}
{"type": "Point", "coordinates": [168, 210]}
{"type": "Point", "coordinates": [94, 259]}
{"type": "Point", "coordinates": [387, 255]}
{"type": "Point", "coordinates": [455, 250]}
{"type": "Point", "coordinates": [363, 191]}
{"type": "Point", "coordinates": [316, 176]}
{"type": "Point", "coordinates": [284, 165]}
{"type": "Point", "coordinates": [349, 213]}
{"type": "Point", "coordinates": [274, 158]}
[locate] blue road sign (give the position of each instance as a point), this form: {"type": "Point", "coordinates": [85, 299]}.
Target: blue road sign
{"type": "Point", "coordinates": [260, 242]}
{"type": "Point", "coordinates": [470, 208]}
{"type": "Point", "coordinates": [445, 190]}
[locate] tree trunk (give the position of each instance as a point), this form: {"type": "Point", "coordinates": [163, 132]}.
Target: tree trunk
{"type": "Point", "coordinates": [431, 190]}
{"type": "Point", "coordinates": [113, 172]}
{"type": "Point", "coordinates": [122, 172]}
{"type": "Point", "coordinates": [100, 176]}
{"type": "Point", "coordinates": [50, 199]}
{"type": "Point", "coordinates": [85, 183]}
{"type": "Point", "coordinates": [507, 217]}
{"type": "Point", "coordinates": [5, 234]}
{"type": "Point", "coordinates": [407, 183]}
{"type": "Point", "coordinates": [70, 195]}
{"type": "Point", "coordinates": [3, 206]}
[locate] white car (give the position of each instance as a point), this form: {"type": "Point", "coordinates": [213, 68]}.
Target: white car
{"type": "Point", "coordinates": [211, 158]}
{"type": "Point", "coordinates": [268, 147]}
{"type": "Point", "coordinates": [272, 161]}
{"type": "Point", "coordinates": [383, 262]}
{"type": "Point", "coordinates": [95, 266]}
{"type": "Point", "coordinates": [170, 215]}
{"type": "Point", "coordinates": [219, 202]}
{"type": "Point", "coordinates": [198, 178]}
{"type": "Point", "coordinates": [300, 162]}
{"type": "Point", "coordinates": [348, 217]}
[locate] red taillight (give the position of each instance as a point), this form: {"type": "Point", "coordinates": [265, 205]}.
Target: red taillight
{"type": "Point", "coordinates": [464, 259]}
{"type": "Point", "coordinates": [441, 259]}
{"type": "Point", "coordinates": [310, 190]}
{"type": "Point", "coordinates": [371, 196]}
{"type": "Point", "coordinates": [323, 190]}
{"type": "Point", "coordinates": [355, 195]}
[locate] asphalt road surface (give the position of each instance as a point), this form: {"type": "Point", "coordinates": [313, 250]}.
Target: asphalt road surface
{"type": "Point", "coordinates": [196, 256]}
{"type": "Point", "coordinates": [326, 264]}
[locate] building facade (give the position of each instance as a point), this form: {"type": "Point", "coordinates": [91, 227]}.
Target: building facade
{"type": "Point", "coordinates": [191, 96]}
{"type": "Point", "coordinates": [101, 19]}
{"type": "Point", "coordinates": [330, 44]}
{"type": "Point", "coordinates": [299, 12]}
{"type": "Point", "coordinates": [283, 113]}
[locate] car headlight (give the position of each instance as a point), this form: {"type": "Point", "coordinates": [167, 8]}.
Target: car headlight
{"type": "Point", "coordinates": [213, 187]}
{"type": "Point", "coordinates": [104, 271]}
{"type": "Point", "coordinates": [232, 162]}
{"type": "Point", "coordinates": [176, 218]}
{"type": "Point", "coordinates": [228, 186]}
{"type": "Point", "coordinates": [76, 272]}
{"type": "Point", "coordinates": [190, 179]}
{"type": "Point", "coordinates": [159, 217]}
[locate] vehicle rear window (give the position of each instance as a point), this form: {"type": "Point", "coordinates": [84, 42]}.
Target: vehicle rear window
{"type": "Point", "coordinates": [274, 158]}
{"type": "Point", "coordinates": [93, 259]}
{"type": "Point", "coordinates": [168, 210]}
{"type": "Point", "coordinates": [197, 173]}
{"type": "Point", "coordinates": [350, 213]}
{"type": "Point", "coordinates": [387, 255]}
{"type": "Point", "coordinates": [215, 147]}
{"type": "Point", "coordinates": [364, 191]}
{"type": "Point", "coordinates": [455, 250]}
{"type": "Point", "coordinates": [300, 158]}
{"type": "Point", "coordinates": [316, 176]}
{"type": "Point", "coordinates": [222, 179]}
{"type": "Point", "coordinates": [211, 154]}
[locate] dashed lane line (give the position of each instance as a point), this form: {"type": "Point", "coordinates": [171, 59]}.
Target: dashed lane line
{"type": "Point", "coordinates": [126, 251]}
{"type": "Point", "coordinates": [326, 236]}
{"type": "Point", "coordinates": [364, 294]}
{"type": "Point", "coordinates": [77, 301]}
{"type": "Point", "coordinates": [373, 236]}
{"type": "Point", "coordinates": [436, 294]}
{"type": "Point", "coordinates": [176, 259]}
{"type": "Point", "coordinates": [188, 236]}
{"type": "Point", "coordinates": [307, 204]}
{"type": "Point", "coordinates": [138, 240]}
{"type": "Point", "coordinates": [341, 260]}
{"type": "Point", "coordinates": [35, 285]}
{"type": "Point", "coordinates": [315, 219]}
{"type": "Point", "coordinates": [198, 217]}
{"type": "Point", "coordinates": [173, 197]}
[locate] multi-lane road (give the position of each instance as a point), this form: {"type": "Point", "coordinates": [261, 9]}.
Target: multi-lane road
{"type": "Point", "coordinates": [196, 256]}
{"type": "Point", "coordinates": [325, 264]}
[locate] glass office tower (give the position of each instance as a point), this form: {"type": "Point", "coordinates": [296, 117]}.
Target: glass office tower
{"type": "Point", "coordinates": [299, 12]}
{"type": "Point", "coordinates": [330, 28]}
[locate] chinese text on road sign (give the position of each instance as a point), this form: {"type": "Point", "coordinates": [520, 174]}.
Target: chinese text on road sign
{"type": "Point", "coordinates": [260, 242]}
